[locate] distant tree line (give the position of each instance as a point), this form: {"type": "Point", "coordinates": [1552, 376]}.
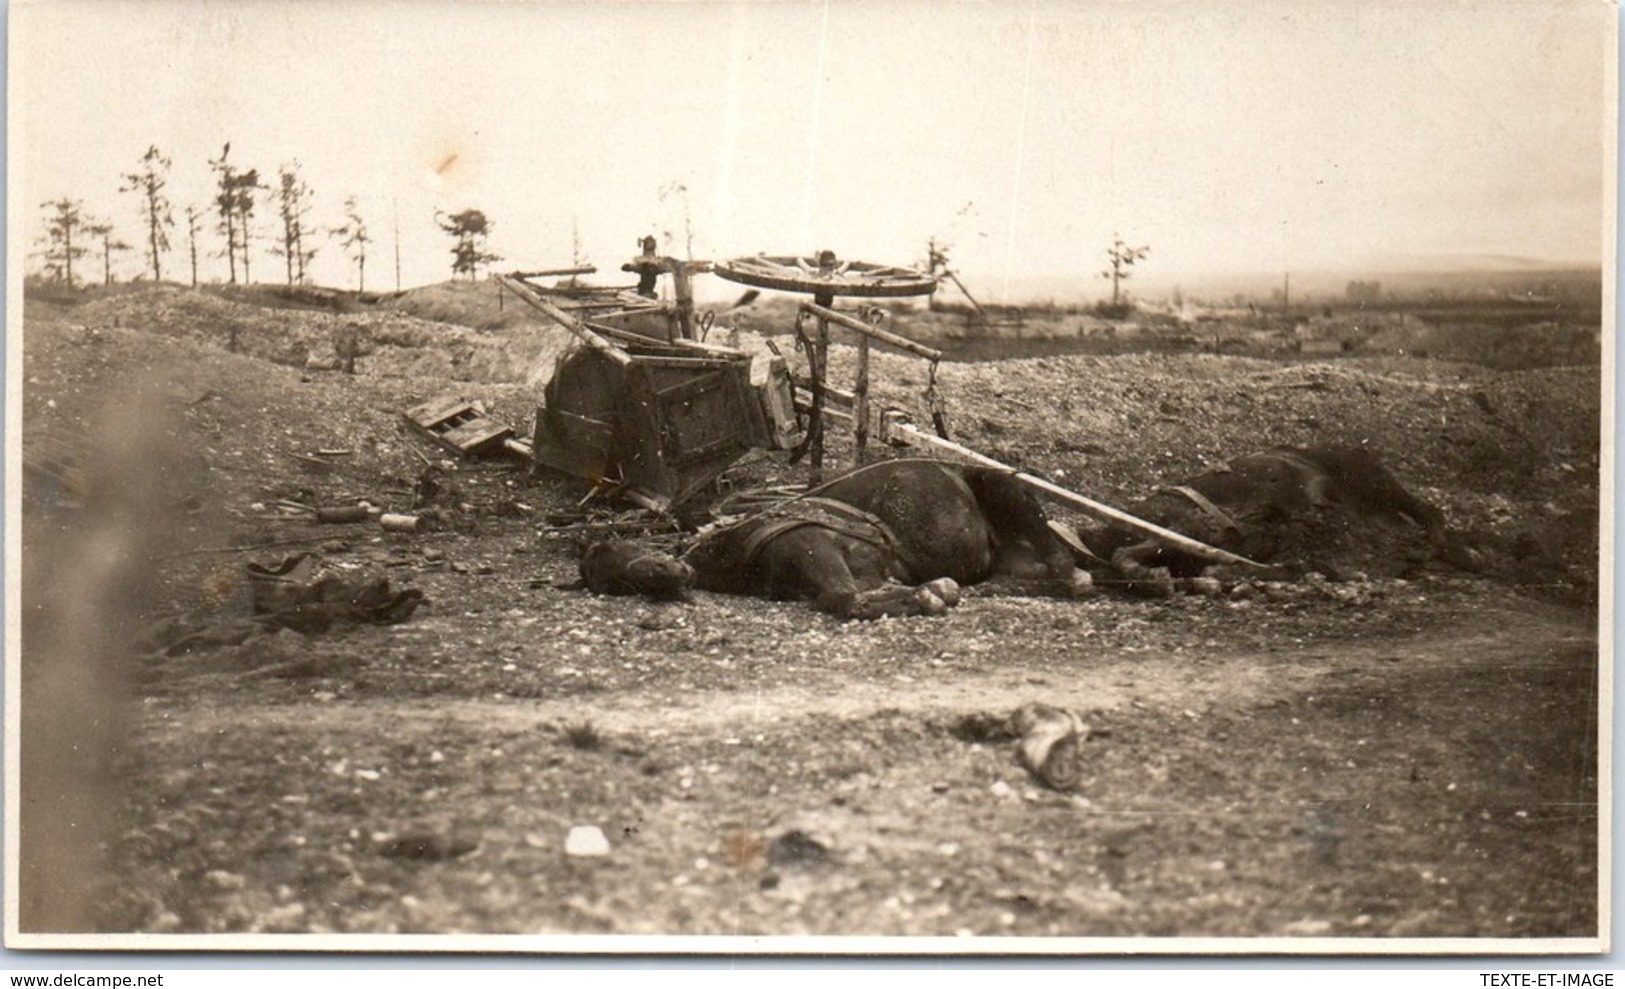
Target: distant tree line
{"type": "Point", "coordinates": [72, 234]}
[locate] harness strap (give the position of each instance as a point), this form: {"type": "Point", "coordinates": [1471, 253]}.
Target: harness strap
{"type": "Point", "coordinates": [1201, 501]}
{"type": "Point", "coordinates": [861, 525]}
{"type": "Point", "coordinates": [767, 533]}
{"type": "Point", "coordinates": [848, 520]}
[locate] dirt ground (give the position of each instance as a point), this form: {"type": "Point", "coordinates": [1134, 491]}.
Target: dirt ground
{"type": "Point", "coordinates": [1405, 751]}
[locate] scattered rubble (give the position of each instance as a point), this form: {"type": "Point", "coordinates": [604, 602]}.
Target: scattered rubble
{"type": "Point", "coordinates": [1050, 740]}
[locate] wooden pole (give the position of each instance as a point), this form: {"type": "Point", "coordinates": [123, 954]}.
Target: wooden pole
{"type": "Point", "coordinates": [815, 424]}
{"type": "Point", "coordinates": [895, 427]}
{"type": "Point", "coordinates": [860, 401]}
{"type": "Point", "coordinates": [828, 263]}
{"type": "Point", "coordinates": [683, 290]}
{"type": "Point", "coordinates": [397, 246]}
{"type": "Point", "coordinates": [581, 331]}
{"type": "Point", "coordinates": [580, 269]}
{"type": "Point", "coordinates": [955, 279]}
{"type": "Point", "coordinates": [825, 314]}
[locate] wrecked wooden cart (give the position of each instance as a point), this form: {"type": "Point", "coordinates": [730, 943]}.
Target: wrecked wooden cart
{"type": "Point", "coordinates": [657, 420]}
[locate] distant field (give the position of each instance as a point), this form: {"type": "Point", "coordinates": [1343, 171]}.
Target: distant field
{"type": "Point", "coordinates": [1558, 325]}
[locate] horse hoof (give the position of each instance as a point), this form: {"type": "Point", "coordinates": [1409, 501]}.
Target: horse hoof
{"type": "Point", "coordinates": [1205, 586]}
{"type": "Point", "coordinates": [1154, 587]}
{"type": "Point", "coordinates": [1081, 584]}
{"type": "Point", "coordinates": [945, 588]}
{"type": "Point", "coordinates": [929, 603]}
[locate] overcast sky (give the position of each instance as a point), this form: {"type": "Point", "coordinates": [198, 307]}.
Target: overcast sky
{"type": "Point", "coordinates": [1227, 136]}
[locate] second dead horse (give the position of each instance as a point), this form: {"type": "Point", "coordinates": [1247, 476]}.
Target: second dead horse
{"type": "Point", "coordinates": [1255, 504]}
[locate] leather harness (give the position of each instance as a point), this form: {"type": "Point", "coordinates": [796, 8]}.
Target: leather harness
{"type": "Point", "coordinates": [826, 513]}
{"type": "Point", "coordinates": [1202, 502]}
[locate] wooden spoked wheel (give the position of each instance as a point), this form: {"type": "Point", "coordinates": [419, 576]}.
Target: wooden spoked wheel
{"type": "Point", "coordinates": [824, 276]}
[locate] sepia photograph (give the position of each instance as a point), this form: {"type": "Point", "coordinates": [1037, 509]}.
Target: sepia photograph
{"type": "Point", "coordinates": [1018, 477]}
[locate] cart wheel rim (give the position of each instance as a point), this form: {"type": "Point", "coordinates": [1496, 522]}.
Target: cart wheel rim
{"type": "Point", "coordinates": [804, 274]}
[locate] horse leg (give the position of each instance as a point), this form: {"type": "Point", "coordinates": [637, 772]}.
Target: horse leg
{"type": "Point", "coordinates": [1019, 572]}
{"type": "Point", "coordinates": [806, 562]}
{"type": "Point", "coordinates": [821, 562]}
{"type": "Point", "coordinates": [1019, 527]}
{"type": "Point", "coordinates": [901, 601]}
{"type": "Point", "coordinates": [1141, 577]}
{"type": "Point", "coordinates": [896, 600]}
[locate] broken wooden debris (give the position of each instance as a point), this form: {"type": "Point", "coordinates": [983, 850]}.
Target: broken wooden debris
{"type": "Point", "coordinates": [577, 328]}
{"type": "Point", "coordinates": [838, 403]}
{"type": "Point", "coordinates": [1048, 743]}
{"type": "Point", "coordinates": [339, 516]}
{"type": "Point", "coordinates": [458, 425]}
{"type": "Point", "coordinates": [317, 462]}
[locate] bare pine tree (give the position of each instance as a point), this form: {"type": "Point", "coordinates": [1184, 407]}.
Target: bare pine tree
{"type": "Point", "coordinates": [225, 204]}
{"type": "Point", "coordinates": [352, 235]}
{"type": "Point", "coordinates": [149, 181]}
{"type": "Point", "coordinates": [64, 236]}
{"type": "Point", "coordinates": [193, 214]}
{"type": "Point", "coordinates": [293, 205]}
{"type": "Point", "coordinates": [248, 183]}
{"type": "Point", "coordinates": [235, 202]}
{"type": "Point", "coordinates": [104, 233]}
{"type": "Point", "coordinates": [1122, 258]}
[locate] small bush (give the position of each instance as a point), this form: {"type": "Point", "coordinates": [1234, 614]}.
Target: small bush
{"type": "Point", "coordinates": [584, 736]}
{"type": "Point", "coordinates": [1120, 311]}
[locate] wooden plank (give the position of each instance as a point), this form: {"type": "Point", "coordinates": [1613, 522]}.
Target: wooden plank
{"type": "Point", "coordinates": [676, 363]}
{"type": "Point", "coordinates": [830, 392]}
{"type": "Point", "coordinates": [769, 378]}
{"type": "Point", "coordinates": [472, 436]}
{"type": "Point", "coordinates": [638, 344]}
{"type": "Point", "coordinates": [432, 413]}
{"type": "Point", "coordinates": [804, 405]}
{"type": "Point", "coordinates": [637, 303]}
{"type": "Point", "coordinates": [700, 346]}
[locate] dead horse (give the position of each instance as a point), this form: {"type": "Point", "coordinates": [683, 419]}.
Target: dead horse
{"type": "Point", "coordinates": [860, 545]}
{"type": "Point", "coordinates": [1242, 507]}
